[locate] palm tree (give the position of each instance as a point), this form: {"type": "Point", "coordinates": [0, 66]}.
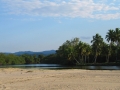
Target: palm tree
{"type": "Point", "coordinates": [85, 51]}
{"type": "Point", "coordinates": [117, 39]}
{"type": "Point", "coordinates": [72, 48]}
{"type": "Point", "coordinates": [117, 36]}
{"type": "Point", "coordinates": [110, 38]}
{"type": "Point", "coordinates": [96, 45]}
{"type": "Point", "coordinates": [106, 51]}
{"type": "Point", "coordinates": [88, 51]}
{"type": "Point", "coordinates": [68, 50]}
{"type": "Point", "coordinates": [80, 51]}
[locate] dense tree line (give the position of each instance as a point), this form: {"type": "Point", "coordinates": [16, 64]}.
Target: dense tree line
{"type": "Point", "coordinates": [23, 59]}
{"type": "Point", "coordinates": [74, 52]}
{"type": "Point", "coordinates": [77, 52]}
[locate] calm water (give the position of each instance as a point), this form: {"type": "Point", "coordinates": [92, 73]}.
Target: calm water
{"type": "Point", "coordinates": [57, 66]}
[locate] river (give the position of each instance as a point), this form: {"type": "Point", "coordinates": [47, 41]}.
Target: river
{"type": "Point", "coordinates": [57, 66]}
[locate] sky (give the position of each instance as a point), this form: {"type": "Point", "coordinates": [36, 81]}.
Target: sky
{"type": "Point", "coordinates": [40, 25]}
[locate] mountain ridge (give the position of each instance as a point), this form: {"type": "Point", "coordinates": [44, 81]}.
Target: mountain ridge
{"type": "Point", "coordinates": [47, 52]}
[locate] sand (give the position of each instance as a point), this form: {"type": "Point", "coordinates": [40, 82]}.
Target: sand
{"type": "Point", "coordinates": [69, 79]}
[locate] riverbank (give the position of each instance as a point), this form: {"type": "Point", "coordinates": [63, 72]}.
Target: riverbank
{"type": "Point", "coordinates": [68, 79]}
{"type": "Point", "coordinates": [100, 64]}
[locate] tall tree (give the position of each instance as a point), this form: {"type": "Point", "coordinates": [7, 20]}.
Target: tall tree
{"type": "Point", "coordinates": [96, 45]}
{"type": "Point", "coordinates": [106, 51]}
{"type": "Point", "coordinates": [110, 38]}
{"type": "Point", "coordinates": [117, 40]}
{"type": "Point", "coordinates": [88, 51]}
{"type": "Point", "coordinates": [80, 51]}
{"type": "Point", "coordinates": [84, 51]}
{"type": "Point", "coordinates": [72, 49]}
{"type": "Point", "coordinates": [68, 50]}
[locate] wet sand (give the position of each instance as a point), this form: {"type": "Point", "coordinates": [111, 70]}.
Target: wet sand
{"type": "Point", "coordinates": [69, 79]}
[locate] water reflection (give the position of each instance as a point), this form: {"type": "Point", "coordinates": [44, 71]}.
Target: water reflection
{"type": "Point", "coordinates": [102, 67]}
{"type": "Point", "coordinates": [57, 66]}
{"type": "Point", "coordinates": [47, 66]}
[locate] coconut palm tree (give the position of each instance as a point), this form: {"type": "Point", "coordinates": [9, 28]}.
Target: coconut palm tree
{"type": "Point", "coordinates": [68, 50]}
{"type": "Point", "coordinates": [72, 48]}
{"type": "Point", "coordinates": [85, 51]}
{"type": "Point", "coordinates": [117, 36]}
{"type": "Point", "coordinates": [96, 45]}
{"type": "Point", "coordinates": [117, 39]}
{"type": "Point", "coordinates": [110, 38]}
{"type": "Point", "coordinates": [88, 52]}
{"type": "Point", "coordinates": [80, 51]}
{"type": "Point", "coordinates": [106, 51]}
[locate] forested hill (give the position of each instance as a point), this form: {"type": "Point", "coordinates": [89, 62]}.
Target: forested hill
{"type": "Point", "coordinates": [34, 53]}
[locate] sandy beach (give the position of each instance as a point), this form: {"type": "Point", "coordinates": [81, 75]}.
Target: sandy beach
{"type": "Point", "coordinates": [69, 79]}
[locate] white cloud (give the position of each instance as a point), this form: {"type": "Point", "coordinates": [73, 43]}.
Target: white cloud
{"type": "Point", "coordinates": [64, 8]}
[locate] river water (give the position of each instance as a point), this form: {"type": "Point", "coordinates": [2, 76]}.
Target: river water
{"type": "Point", "coordinates": [57, 66]}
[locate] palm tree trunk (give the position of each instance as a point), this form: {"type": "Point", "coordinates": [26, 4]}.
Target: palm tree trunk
{"type": "Point", "coordinates": [85, 58]}
{"type": "Point", "coordinates": [79, 58]}
{"type": "Point", "coordinates": [117, 51]}
{"type": "Point", "coordinates": [95, 56]}
{"type": "Point", "coordinates": [75, 59]}
{"type": "Point", "coordinates": [109, 53]}
{"type": "Point", "coordinates": [88, 58]}
{"type": "Point", "coordinates": [95, 59]}
{"type": "Point", "coordinates": [82, 59]}
{"type": "Point", "coordinates": [108, 59]}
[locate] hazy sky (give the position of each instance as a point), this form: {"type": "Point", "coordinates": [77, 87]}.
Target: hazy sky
{"type": "Point", "coordinates": [38, 25]}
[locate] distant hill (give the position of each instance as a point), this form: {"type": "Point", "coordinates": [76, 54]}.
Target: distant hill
{"type": "Point", "coordinates": [34, 53]}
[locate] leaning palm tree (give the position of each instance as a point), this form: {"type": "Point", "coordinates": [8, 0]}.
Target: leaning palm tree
{"type": "Point", "coordinates": [96, 45]}
{"type": "Point", "coordinates": [70, 49]}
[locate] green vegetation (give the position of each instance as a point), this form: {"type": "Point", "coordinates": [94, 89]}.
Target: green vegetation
{"type": "Point", "coordinates": [99, 52]}
{"type": "Point", "coordinates": [76, 52]}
